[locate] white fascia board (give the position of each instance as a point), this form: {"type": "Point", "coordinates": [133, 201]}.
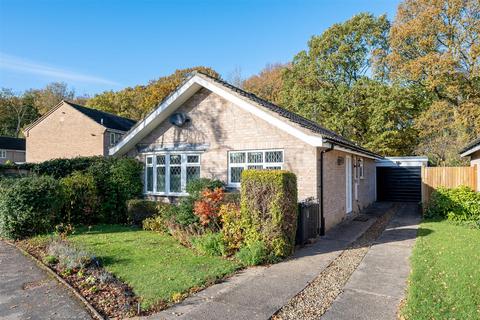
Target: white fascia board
{"type": "Point", "coordinates": [316, 141]}
{"type": "Point", "coordinates": [470, 151]}
{"type": "Point", "coordinates": [335, 147]}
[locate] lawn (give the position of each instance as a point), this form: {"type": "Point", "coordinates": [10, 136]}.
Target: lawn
{"type": "Point", "coordinates": [155, 265]}
{"type": "Point", "coordinates": [445, 280]}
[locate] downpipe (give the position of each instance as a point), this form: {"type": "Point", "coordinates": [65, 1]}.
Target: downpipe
{"type": "Point", "coordinates": [322, 216]}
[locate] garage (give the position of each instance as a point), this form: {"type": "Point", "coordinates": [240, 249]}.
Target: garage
{"type": "Point", "coordinates": [399, 179]}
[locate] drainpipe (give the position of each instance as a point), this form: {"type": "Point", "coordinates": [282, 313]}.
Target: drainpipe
{"type": "Point", "coordinates": [322, 217]}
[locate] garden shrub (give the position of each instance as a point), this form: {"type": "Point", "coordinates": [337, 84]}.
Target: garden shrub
{"type": "Point", "coordinates": [155, 223]}
{"type": "Point", "coordinates": [210, 244]}
{"type": "Point", "coordinates": [68, 256]}
{"type": "Point", "coordinates": [456, 204]}
{"type": "Point", "coordinates": [81, 198]}
{"type": "Point", "coordinates": [29, 206]}
{"type": "Point", "coordinates": [269, 210]}
{"type": "Point", "coordinates": [60, 168]}
{"type": "Point", "coordinates": [253, 254]}
{"type": "Point", "coordinates": [207, 206]}
{"type": "Point", "coordinates": [232, 230]}
{"type": "Point", "coordinates": [139, 209]}
{"type": "Point", "coordinates": [196, 187]}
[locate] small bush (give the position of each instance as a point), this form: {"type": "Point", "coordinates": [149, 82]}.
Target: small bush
{"type": "Point", "coordinates": [457, 204]}
{"type": "Point", "coordinates": [253, 254]}
{"type": "Point", "coordinates": [269, 209]}
{"type": "Point", "coordinates": [29, 206]}
{"type": "Point", "coordinates": [68, 256]}
{"type": "Point", "coordinates": [139, 209]}
{"type": "Point", "coordinates": [232, 230]}
{"type": "Point", "coordinates": [81, 198]}
{"type": "Point", "coordinates": [156, 223]}
{"type": "Point", "coordinates": [207, 206]}
{"type": "Point", "coordinates": [210, 244]}
{"type": "Point", "coordinates": [196, 187]}
{"type": "Point", "coordinates": [49, 259]}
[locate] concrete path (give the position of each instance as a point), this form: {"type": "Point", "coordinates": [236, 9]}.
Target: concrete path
{"type": "Point", "coordinates": [377, 286]}
{"type": "Point", "coordinates": [257, 293]}
{"type": "Point", "coordinates": [27, 292]}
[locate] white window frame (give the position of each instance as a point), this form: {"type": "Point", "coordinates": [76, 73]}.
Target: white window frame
{"type": "Point", "coordinates": [244, 165]}
{"type": "Point", "coordinates": [114, 138]}
{"type": "Point", "coordinates": [3, 153]}
{"type": "Point", "coordinates": [183, 172]}
{"type": "Point", "coordinates": [361, 168]}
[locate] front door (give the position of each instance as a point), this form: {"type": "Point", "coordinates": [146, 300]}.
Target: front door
{"type": "Point", "coordinates": [348, 183]}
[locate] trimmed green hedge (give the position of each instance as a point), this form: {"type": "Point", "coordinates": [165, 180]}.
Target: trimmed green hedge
{"type": "Point", "coordinates": [139, 209]}
{"type": "Point", "coordinates": [29, 205]}
{"type": "Point", "coordinates": [456, 204]}
{"type": "Point", "coordinates": [269, 210]}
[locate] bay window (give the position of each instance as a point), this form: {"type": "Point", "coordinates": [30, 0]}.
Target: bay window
{"type": "Point", "coordinates": [172, 172]}
{"type": "Point", "coordinates": [252, 159]}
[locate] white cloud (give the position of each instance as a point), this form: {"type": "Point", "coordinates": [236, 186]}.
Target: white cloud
{"type": "Point", "coordinates": [8, 62]}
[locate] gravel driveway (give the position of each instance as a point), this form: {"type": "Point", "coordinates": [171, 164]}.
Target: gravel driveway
{"type": "Point", "coordinates": [27, 292]}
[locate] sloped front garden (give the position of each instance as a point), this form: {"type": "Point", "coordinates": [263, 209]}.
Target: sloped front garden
{"type": "Point", "coordinates": [132, 257]}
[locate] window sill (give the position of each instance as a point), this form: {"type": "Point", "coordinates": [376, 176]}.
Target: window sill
{"type": "Point", "coordinates": [163, 194]}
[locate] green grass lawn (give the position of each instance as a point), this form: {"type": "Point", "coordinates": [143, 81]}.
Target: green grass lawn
{"type": "Point", "coordinates": [445, 280]}
{"type": "Point", "coordinates": [155, 265]}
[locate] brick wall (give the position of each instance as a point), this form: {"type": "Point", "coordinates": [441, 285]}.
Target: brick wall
{"type": "Point", "coordinates": [65, 133]}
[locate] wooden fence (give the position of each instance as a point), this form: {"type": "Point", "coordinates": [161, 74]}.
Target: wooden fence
{"type": "Point", "coordinates": [449, 177]}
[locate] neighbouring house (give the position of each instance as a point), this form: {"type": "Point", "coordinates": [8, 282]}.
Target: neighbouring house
{"type": "Point", "coordinates": [209, 128]}
{"type": "Point", "coordinates": [70, 130]}
{"type": "Point", "coordinates": [12, 150]}
{"type": "Point", "coordinates": [472, 150]}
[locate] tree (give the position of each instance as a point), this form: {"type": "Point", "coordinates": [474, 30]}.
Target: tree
{"type": "Point", "coordinates": [340, 82]}
{"type": "Point", "coordinates": [137, 102]}
{"type": "Point", "coordinates": [48, 97]}
{"type": "Point", "coordinates": [436, 45]}
{"type": "Point", "coordinates": [15, 112]}
{"type": "Point", "coordinates": [268, 83]}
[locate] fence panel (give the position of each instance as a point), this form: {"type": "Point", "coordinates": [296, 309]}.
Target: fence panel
{"type": "Point", "coordinates": [449, 177]}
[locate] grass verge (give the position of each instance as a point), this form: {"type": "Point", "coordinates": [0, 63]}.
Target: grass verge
{"type": "Point", "coordinates": [155, 265]}
{"type": "Point", "coordinates": [445, 279]}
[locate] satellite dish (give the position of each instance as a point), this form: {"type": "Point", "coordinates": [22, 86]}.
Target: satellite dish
{"type": "Point", "coordinates": [179, 119]}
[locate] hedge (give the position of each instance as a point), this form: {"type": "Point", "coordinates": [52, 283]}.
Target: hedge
{"type": "Point", "coordinates": [269, 210]}
{"type": "Point", "coordinates": [29, 205]}
{"type": "Point", "coordinates": [456, 204]}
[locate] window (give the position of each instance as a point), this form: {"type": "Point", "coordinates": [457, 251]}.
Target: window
{"type": "Point", "coordinates": [361, 171]}
{"type": "Point", "coordinates": [254, 159]}
{"type": "Point", "coordinates": [172, 172]}
{"type": "Point", "coordinates": [3, 153]}
{"type": "Point", "coordinates": [114, 138]}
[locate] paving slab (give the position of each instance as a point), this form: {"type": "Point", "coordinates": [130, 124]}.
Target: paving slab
{"type": "Point", "coordinates": [377, 286]}
{"type": "Point", "coordinates": [28, 292]}
{"type": "Point", "coordinates": [257, 293]}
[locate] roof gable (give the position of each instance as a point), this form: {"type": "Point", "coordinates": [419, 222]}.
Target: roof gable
{"type": "Point", "coordinates": [11, 143]}
{"type": "Point", "coordinates": [294, 124]}
{"type": "Point", "coordinates": [470, 148]}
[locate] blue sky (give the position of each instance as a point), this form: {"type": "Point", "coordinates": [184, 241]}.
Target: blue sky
{"type": "Point", "coordinates": [106, 44]}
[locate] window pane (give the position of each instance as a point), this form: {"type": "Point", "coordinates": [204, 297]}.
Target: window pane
{"type": "Point", "coordinates": [149, 179]}
{"type": "Point", "coordinates": [273, 156]}
{"type": "Point", "coordinates": [237, 157]}
{"type": "Point", "coordinates": [175, 159]}
{"type": "Point", "coordinates": [193, 159]}
{"type": "Point", "coordinates": [175, 179]}
{"type": "Point", "coordinates": [160, 160]}
{"type": "Point", "coordinates": [193, 173]}
{"type": "Point", "coordinates": [160, 179]}
{"type": "Point", "coordinates": [149, 160]}
{"type": "Point", "coordinates": [273, 168]}
{"type": "Point", "coordinates": [255, 157]}
{"type": "Point", "coordinates": [260, 167]}
{"type": "Point", "coordinates": [235, 174]}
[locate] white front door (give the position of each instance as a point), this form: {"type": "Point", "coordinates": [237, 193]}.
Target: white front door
{"type": "Point", "coordinates": [348, 183]}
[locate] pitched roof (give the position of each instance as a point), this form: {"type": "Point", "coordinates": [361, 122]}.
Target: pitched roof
{"type": "Point", "coordinates": [293, 117]}
{"type": "Point", "coordinates": [470, 148]}
{"type": "Point", "coordinates": [12, 143]}
{"type": "Point", "coordinates": [108, 120]}
{"type": "Point", "coordinates": [315, 134]}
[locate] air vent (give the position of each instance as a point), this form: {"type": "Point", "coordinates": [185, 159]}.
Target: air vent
{"type": "Point", "coordinates": [179, 119]}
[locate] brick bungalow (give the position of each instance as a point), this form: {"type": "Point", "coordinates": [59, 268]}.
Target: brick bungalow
{"type": "Point", "coordinates": [12, 149]}
{"type": "Point", "coordinates": [209, 128]}
{"type": "Point", "coordinates": [70, 130]}
{"type": "Point", "coordinates": [472, 150]}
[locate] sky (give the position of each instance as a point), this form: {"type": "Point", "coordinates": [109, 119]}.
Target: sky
{"type": "Point", "coordinates": [101, 45]}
